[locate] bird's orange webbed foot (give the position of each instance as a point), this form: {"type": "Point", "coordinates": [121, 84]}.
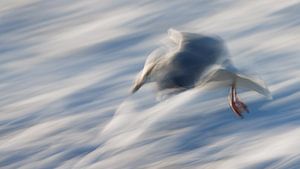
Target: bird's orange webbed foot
{"type": "Point", "coordinates": [235, 103]}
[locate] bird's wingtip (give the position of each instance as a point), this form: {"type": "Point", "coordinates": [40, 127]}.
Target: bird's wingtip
{"type": "Point", "coordinates": [175, 35]}
{"type": "Point", "coordinates": [170, 30]}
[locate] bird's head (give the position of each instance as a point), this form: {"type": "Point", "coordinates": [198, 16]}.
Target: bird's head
{"type": "Point", "coordinates": [143, 77]}
{"type": "Point", "coordinates": [139, 82]}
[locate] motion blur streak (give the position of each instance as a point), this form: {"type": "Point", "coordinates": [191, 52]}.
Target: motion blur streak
{"type": "Point", "coordinates": [66, 68]}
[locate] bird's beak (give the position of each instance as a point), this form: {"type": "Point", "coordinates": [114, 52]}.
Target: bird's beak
{"type": "Point", "coordinates": [137, 86]}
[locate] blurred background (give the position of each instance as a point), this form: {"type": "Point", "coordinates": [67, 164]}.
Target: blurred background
{"type": "Point", "coordinates": [66, 69]}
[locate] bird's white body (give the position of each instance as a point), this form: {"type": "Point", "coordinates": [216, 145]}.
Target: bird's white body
{"type": "Point", "coordinates": [194, 60]}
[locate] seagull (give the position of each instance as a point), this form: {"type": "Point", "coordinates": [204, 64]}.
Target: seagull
{"type": "Point", "coordinates": [193, 60]}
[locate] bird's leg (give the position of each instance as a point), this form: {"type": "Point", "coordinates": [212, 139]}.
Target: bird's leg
{"type": "Point", "coordinates": [235, 103]}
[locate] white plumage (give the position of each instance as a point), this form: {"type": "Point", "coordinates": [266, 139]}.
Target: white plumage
{"type": "Point", "coordinates": [196, 60]}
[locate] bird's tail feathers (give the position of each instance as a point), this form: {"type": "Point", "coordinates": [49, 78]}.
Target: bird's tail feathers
{"type": "Point", "coordinates": [224, 77]}
{"type": "Point", "coordinates": [253, 83]}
